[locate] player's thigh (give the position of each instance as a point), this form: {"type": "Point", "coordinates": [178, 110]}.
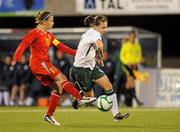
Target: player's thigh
{"type": "Point", "coordinates": [101, 79]}
{"type": "Point", "coordinates": [104, 83]}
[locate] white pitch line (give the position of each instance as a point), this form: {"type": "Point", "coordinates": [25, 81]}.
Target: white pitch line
{"type": "Point", "coordinates": [84, 110]}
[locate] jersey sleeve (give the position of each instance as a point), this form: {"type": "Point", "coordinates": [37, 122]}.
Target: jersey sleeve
{"type": "Point", "coordinates": [96, 38]}
{"type": "Point", "coordinates": [61, 46]}
{"type": "Point", "coordinates": [24, 44]}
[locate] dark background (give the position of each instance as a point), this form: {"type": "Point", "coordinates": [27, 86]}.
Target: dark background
{"type": "Point", "coordinates": [167, 25]}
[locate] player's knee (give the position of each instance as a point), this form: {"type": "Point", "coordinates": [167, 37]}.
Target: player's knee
{"type": "Point", "coordinates": [57, 88]}
{"type": "Point", "coordinates": [109, 86]}
{"type": "Point", "coordinates": [61, 78]}
{"type": "Point", "coordinates": [56, 92]}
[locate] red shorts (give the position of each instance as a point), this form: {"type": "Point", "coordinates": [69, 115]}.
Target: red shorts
{"type": "Point", "coordinates": [45, 72]}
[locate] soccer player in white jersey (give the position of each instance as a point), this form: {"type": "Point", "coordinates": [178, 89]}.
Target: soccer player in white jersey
{"type": "Point", "coordinates": [85, 72]}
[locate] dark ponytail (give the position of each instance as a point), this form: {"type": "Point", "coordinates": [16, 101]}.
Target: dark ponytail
{"type": "Point", "coordinates": [91, 21]}
{"type": "Point", "coordinates": [88, 21]}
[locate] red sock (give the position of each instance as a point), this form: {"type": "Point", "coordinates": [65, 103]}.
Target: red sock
{"type": "Point", "coordinates": [53, 102]}
{"type": "Point", "coordinates": [69, 88]}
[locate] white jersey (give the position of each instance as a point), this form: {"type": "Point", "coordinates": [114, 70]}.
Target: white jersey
{"type": "Point", "coordinates": [86, 52]}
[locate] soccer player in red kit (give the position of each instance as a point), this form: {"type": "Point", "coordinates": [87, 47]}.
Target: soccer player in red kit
{"type": "Point", "coordinates": [39, 40]}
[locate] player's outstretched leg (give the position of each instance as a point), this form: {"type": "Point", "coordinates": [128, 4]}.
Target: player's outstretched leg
{"type": "Point", "coordinates": [69, 88]}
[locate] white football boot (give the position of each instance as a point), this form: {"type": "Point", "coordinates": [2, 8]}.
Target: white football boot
{"type": "Point", "coordinates": [86, 101]}
{"type": "Point", "coordinates": [51, 120]}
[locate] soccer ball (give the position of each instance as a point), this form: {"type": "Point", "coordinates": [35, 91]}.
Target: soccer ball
{"type": "Point", "coordinates": [104, 103]}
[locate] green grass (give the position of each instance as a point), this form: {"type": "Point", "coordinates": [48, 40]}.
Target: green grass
{"type": "Point", "coordinates": [29, 119]}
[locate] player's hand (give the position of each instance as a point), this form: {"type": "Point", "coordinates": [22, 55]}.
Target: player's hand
{"type": "Point", "coordinates": [13, 62]}
{"type": "Point", "coordinates": [100, 62]}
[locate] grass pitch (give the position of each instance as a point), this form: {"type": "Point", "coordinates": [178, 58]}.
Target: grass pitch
{"type": "Point", "coordinates": [29, 119]}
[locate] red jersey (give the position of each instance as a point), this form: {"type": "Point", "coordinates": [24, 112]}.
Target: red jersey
{"type": "Point", "coordinates": [39, 42]}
